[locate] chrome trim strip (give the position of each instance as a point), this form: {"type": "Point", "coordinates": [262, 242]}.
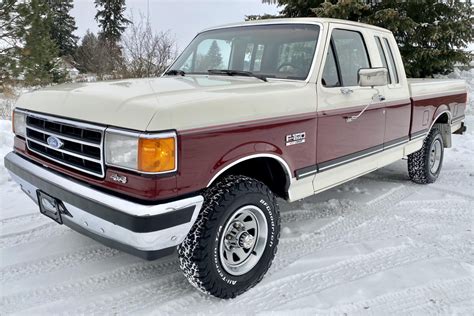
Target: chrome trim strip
{"type": "Point", "coordinates": [67, 165]}
{"type": "Point", "coordinates": [70, 153]}
{"type": "Point", "coordinates": [74, 140]}
{"type": "Point", "coordinates": [302, 175]}
{"type": "Point", "coordinates": [351, 159]}
{"type": "Point", "coordinates": [63, 121]}
{"type": "Point", "coordinates": [395, 144]}
{"type": "Point", "coordinates": [279, 159]}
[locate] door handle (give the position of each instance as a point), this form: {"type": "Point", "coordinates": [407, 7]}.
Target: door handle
{"type": "Point", "coordinates": [346, 91]}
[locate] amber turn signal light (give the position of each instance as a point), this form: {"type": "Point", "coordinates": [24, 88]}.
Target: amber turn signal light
{"type": "Point", "coordinates": [157, 154]}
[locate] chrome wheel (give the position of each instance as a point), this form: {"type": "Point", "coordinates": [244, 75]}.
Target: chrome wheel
{"type": "Point", "coordinates": [435, 156]}
{"type": "Point", "coordinates": [244, 239]}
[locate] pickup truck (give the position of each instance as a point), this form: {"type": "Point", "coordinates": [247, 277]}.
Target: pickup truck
{"type": "Point", "coordinates": [249, 112]}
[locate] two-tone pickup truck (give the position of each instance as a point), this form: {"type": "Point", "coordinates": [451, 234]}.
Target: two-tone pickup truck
{"type": "Point", "coordinates": [249, 112]}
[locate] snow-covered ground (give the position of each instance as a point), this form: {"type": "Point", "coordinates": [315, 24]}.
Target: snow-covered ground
{"type": "Point", "coordinates": [376, 245]}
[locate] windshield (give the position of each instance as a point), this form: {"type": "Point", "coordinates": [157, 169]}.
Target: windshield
{"type": "Point", "coordinates": [282, 51]}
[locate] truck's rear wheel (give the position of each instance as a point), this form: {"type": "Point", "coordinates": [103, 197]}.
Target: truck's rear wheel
{"type": "Point", "coordinates": [234, 240]}
{"type": "Point", "coordinates": [425, 165]}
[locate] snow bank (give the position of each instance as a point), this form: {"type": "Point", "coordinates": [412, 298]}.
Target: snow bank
{"type": "Point", "coordinates": [467, 75]}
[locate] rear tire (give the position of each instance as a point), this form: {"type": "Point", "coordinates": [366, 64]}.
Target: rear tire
{"type": "Point", "coordinates": [425, 165]}
{"type": "Point", "coordinates": [234, 239]}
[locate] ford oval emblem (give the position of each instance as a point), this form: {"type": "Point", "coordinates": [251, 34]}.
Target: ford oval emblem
{"type": "Point", "coordinates": [54, 142]}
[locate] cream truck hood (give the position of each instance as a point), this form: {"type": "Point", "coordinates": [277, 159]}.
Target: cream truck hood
{"type": "Point", "coordinates": [168, 102]}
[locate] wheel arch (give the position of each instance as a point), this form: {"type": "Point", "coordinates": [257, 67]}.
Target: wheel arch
{"type": "Point", "coordinates": [271, 169]}
{"type": "Point", "coordinates": [443, 121]}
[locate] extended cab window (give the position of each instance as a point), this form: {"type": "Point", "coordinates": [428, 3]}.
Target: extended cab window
{"type": "Point", "coordinates": [351, 55]}
{"type": "Point", "coordinates": [391, 61]}
{"type": "Point", "coordinates": [284, 51]}
{"type": "Point", "coordinates": [383, 57]}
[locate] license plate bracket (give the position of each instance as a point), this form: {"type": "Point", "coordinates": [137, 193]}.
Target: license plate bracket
{"type": "Point", "coordinates": [50, 206]}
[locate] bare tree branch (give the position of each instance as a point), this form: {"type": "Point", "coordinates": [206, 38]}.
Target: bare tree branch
{"type": "Point", "coordinates": [146, 52]}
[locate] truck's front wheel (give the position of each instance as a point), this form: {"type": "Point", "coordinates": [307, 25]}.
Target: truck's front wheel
{"type": "Point", "coordinates": [424, 165]}
{"type": "Point", "coordinates": [234, 240]}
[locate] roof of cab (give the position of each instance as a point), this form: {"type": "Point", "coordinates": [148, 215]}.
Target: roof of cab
{"type": "Point", "coordinates": [297, 20]}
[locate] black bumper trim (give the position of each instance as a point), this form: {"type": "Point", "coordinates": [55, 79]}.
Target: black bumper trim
{"type": "Point", "coordinates": [138, 224]}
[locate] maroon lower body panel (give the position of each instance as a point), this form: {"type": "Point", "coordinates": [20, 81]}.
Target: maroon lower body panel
{"type": "Point", "coordinates": [337, 137]}
{"type": "Point", "coordinates": [204, 152]}
{"type": "Point", "coordinates": [426, 110]}
{"type": "Point", "coordinates": [397, 123]}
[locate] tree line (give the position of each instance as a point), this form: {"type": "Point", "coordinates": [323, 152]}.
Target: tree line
{"type": "Point", "coordinates": [432, 35]}
{"type": "Point", "coordinates": [37, 43]}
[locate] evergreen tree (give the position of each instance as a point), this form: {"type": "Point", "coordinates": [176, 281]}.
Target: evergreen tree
{"type": "Point", "coordinates": [296, 8]}
{"type": "Point", "coordinates": [62, 26]}
{"type": "Point", "coordinates": [431, 34]}
{"type": "Point", "coordinates": [111, 19]}
{"type": "Point", "coordinates": [95, 55]}
{"type": "Point", "coordinates": [213, 58]}
{"type": "Point", "coordinates": [12, 32]}
{"type": "Point", "coordinates": [38, 56]}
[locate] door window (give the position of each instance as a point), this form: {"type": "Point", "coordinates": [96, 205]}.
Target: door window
{"type": "Point", "coordinates": [351, 55]}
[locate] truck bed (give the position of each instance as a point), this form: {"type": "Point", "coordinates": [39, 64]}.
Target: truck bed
{"type": "Point", "coordinates": [428, 87]}
{"type": "Point", "coordinates": [435, 98]}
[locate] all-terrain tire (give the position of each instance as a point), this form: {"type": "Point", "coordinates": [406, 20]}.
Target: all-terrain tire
{"type": "Point", "coordinates": [199, 252]}
{"type": "Point", "coordinates": [419, 166]}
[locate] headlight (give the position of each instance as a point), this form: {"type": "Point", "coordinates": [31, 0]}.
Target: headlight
{"type": "Point", "coordinates": [19, 123]}
{"type": "Point", "coordinates": [147, 153]}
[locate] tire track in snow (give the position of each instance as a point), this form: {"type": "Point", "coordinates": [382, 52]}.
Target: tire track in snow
{"type": "Point", "coordinates": [22, 219]}
{"type": "Point", "coordinates": [151, 293]}
{"type": "Point", "coordinates": [55, 263]}
{"type": "Point", "coordinates": [333, 232]}
{"type": "Point", "coordinates": [433, 298]}
{"type": "Point", "coordinates": [315, 280]}
{"type": "Point", "coordinates": [124, 276]}
{"type": "Point", "coordinates": [41, 232]}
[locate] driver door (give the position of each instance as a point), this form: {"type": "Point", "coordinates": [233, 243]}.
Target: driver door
{"type": "Point", "coordinates": [341, 141]}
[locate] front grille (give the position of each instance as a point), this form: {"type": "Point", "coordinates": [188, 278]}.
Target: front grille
{"type": "Point", "coordinates": [81, 144]}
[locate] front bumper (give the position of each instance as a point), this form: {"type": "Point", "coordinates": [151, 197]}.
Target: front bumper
{"type": "Point", "coordinates": [147, 231]}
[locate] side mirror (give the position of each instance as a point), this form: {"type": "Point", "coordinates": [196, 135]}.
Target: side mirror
{"type": "Point", "coordinates": [373, 77]}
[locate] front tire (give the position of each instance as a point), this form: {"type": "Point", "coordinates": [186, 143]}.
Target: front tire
{"type": "Point", "coordinates": [425, 165]}
{"type": "Point", "coordinates": [234, 239]}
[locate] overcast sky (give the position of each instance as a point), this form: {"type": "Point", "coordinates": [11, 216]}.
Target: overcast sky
{"type": "Point", "coordinates": [183, 18]}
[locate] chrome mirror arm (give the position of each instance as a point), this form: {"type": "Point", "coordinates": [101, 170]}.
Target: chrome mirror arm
{"type": "Point", "coordinates": [377, 97]}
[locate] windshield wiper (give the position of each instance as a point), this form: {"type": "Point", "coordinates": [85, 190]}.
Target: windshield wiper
{"type": "Point", "coordinates": [175, 72]}
{"type": "Point", "coordinates": [230, 72]}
